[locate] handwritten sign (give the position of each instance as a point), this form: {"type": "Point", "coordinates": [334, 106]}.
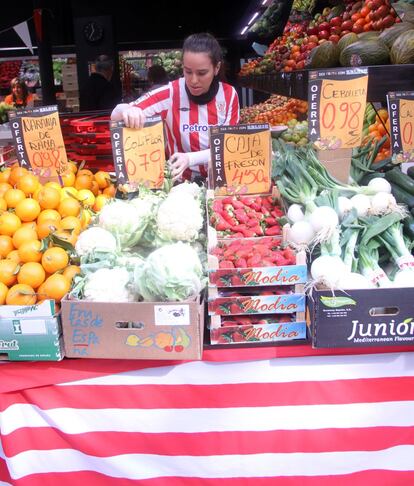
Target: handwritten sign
{"type": "Point", "coordinates": [240, 159]}
{"type": "Point", "coordinates": [337, 106]}
{"type": "Point", "coordinates": [139, 155]}
{"type": "Point", "coordinates": [39, 142]}
{"type": "Point", "coordinates": [401, 111]}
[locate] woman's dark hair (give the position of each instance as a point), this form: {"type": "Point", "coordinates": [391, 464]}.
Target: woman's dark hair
{"type": "Point", "coordinates": [19, 82]}
{"type": "Point", "coordinates": [204, 42]}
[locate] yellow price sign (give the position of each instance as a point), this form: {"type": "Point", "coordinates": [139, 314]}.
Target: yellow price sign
{"type": "Point", "coordinates": [407, 124]}
{"type": "Point", "coordinates": [241, 159]}
{"type": "Point", "coordinates": [39, 141]}
{"type": "Point", "coordinates": [401, 116]}
{"type": "Point", "coordinates": [139, 154]}
{"type": "Point", "coordinates": [337, 109]}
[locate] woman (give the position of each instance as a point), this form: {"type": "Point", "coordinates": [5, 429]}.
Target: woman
{"type": "Point", "coordinates": [188, 106]}
{"type": "Point", "coordinates": [20, 96]}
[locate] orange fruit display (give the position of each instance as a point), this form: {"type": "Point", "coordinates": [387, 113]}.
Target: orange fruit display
{"type": "Point", "coordinates": [31, 273]}
{"type": "Point", "coordinates": [16, 173]}
{"type": "Point", "coordinates": [54, 287]}
{"type": "Point", "coordinates": [28, 183]}
{"type": "Point", "coordinates": [9, 224]}
{"type": "Point", "coordinates": [3, 293]}
{"type": "Point", "coordinates": [23, 234]}
{"type": "Point", "coordinates": [48, 215]}
{"type": "Point", "coordinates": [30, 251]}
{"type": "Point", "coordinates": [69, 207]}
{"type": "Point", "coordinates": [13, 197]}
{"type": "Point", "coordinates": [70, 271]}
{"type": "Point", "coordinates": [28, 210]}
{"type": "Point", "coordinates": [49, 198]}
{"type": "Point", "coordinates": [8, 272]}
{"type": "Point", "coordinates": [6, 245]}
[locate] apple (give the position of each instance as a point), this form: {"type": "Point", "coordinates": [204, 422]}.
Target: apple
{"type": "Point", "coordinates": [347, 25]}
{"type": "Point", "coordinates": [323, 34]}
{"type": "Point", "coordinates": [336, 22]}
{"type": "Point", "coordinates": [312, 31]}
{"type": "Point", "coordinates": [335, 30]}
{"type": "Point", "coordinates": [324, 26]}
{"type": "Point", "coordinates": [334, 38]}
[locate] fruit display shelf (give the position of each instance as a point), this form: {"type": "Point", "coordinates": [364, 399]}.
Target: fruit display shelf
{"type": "Point", "coordinates": [382, 79]}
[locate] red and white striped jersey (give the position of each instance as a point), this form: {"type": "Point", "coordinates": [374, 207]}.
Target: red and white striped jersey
{"type": "Point", "coordinates": [186, 122]}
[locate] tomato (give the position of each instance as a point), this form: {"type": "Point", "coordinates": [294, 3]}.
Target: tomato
{"type": "Point", "coordinates": [368, 26]}
{"type": "Point", "coordinates": [334, 38]}
{"type": "Point", "coordinates": [365, 11]}
{"type": "Point", "coordinates": [388, 21]}
{"type": "Point", "coordinates": [355, 17]}
{"type": "Point", "coordinates": [376, 4]}
{"type": "Point", "coordinates": [383, 11]}
{"type": "Point", "coordinates": [347, 25]}
{"type": "Point", "coordinates": [357, 29]}
{"type": "Point", "coordinates": [361, 22]}
{"type": "Point", "coordinates": [300, 65]}
{"type": "Point", "coordinates": [314, 38]}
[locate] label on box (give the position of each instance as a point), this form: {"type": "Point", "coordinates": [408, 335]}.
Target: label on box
{"type": "Point", "coordinates": [172, 315]}
{"type": "Point", "coordinates": [45, 309]}
{"type": "Point", "coordinates": [406, 261]}
{"type": "Point", "coordinates": [401, 110]}
{"type": "Point", "coordinates": [32, 326]}
{"type": "Point", "coordinates": [258, 276]}
{"type": "Point", "coordinates": [337, 100]}
{"type": "Point", "coordinates": [257, 304]}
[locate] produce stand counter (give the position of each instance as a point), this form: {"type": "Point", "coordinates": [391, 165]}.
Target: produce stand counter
{"type": "Point", "coordinates": [285, 415]}
{"type": "Point", "coordinates": [381, 80]}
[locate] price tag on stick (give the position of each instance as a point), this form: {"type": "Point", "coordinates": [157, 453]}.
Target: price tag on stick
{"type": "Point", "coordinates": [337, 105]}
{"type": "Point", "coordinates": [39, 142]}
{"type": "Point", "coordinates": [401, 112]}
{"type": "Point", "coordinates": [139, 155]}
{"type": "Point", "coordinates": [240, 159]}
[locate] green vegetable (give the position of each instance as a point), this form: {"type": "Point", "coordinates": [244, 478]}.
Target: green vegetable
{"type": "Point", "coordinates": [402, 180]}
{"type": "Point", "coordinates": [365, 53]}
{"type": "Point", "coordinates": [410, 172]}
{"type": "Point", "coordinates": [408, 225]}
{"type": "Point", "coordinates": [401, 196]}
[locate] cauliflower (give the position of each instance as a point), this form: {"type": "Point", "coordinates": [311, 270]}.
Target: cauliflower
{"type": "Point", "coordinates": [108, 285]}
{"type": "Point", "coordinates": [95, 239]}
{"type": "Point", "coordinates": [179, 217]}
{"type": "Point", "coordinates": [189, 188]}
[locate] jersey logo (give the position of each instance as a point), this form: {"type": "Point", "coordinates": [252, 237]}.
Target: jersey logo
{"type": "Point", "coordinates": [184, 108]}
{"type": "Point", "coordinates": [221, 106]}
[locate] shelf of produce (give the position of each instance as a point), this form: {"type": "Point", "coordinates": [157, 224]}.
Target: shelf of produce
{"type": "Point", "coordinates": [295, 84]}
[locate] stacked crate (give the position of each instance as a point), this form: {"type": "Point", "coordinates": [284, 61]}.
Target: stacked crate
{"type": "Point", "coordinates": [261, 301]}
{"type": "Point", "coordinates": [71, 86]}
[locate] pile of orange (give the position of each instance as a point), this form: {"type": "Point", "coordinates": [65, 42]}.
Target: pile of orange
{"type": "Point", "coordinates": [377, 130]}
{"type": "Point", "coordinates": [34, 219]}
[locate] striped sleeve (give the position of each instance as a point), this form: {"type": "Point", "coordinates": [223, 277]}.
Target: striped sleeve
{"type": "Point", "coordinates": [233, 107]}
{"type": "Point", "coordinates": [156, 102]}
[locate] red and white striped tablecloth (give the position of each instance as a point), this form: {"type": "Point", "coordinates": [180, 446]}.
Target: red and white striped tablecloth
{"type": "Point", "coordinates": [319, 420]}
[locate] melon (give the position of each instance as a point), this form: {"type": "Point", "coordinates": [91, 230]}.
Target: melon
{"type": "Point", "coordinates": [347, 40]}
{"type": "Point", "coordinates": [365, 53]}
{"type": "Point", "coordinates": [324, 56]}
{"type": "Point", "coordinates": [402, 51]}
{"type": "Point", "coordinates": [390, 35]}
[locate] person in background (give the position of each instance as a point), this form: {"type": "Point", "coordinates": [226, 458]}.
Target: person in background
{"type": "Point", "coordinates": [157, 76]}
{"type": "Point", "coordinates": [188, 106]}
{"type": "Point", "coordinates": [99, 92]}
{"type": "Point", "coordinates": [19, 96]}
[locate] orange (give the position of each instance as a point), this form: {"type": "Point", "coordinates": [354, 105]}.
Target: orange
{"type": "Point", "coordinates": [28, 184]}
{"type": "Point", "coordinates": [68, 179]}
{"type": "Point", "coordinates": [49, 198]}
{"type": "Point", "coordinates": [55, 287]}
{"type": "Point", "coordinates": [41, 293]}
{"type": "Point", "coordinates": [14, 255]}
{"type": "Point", "coordinates": [4, 187]}
{"type": "Point", "coordinates": [83, 181]}
{"type": "Point", "coordinates": [100, 202]}
{"type": "Point", "coordinates": [13, 197]}
{"type": "Point", "coordinates": [84, 172]}
{"type": "Point", "coordinates": [30, 251]}
{"type": "Point", "coordinates": [71, 224]}
{"type": "Point", "coordinates": [70, 271]}
{"type": "Point", "coordinates": [23, 234]}
{"type": "Point", "coordinates": [29, 224]}
{"type": "Point", "coordinates": [54, 259]}
{"type": "Point", "coordinates": [72, 166]}
{"type": "Point", "coordinates": [32, 274]}
{"type": "Point", "coordinates": [6, 245]}
{"type": "Point", "coordinates": [3, 204]}
{"type": "Point", "coordinates": [21, 294]}
{"type": "Point", "coordinates": [68, 236]}
{"type": "Point", "coordinates": [16, 173]}
{"type": "Point", "coordinates": [48, 215]}
{"type": "Point", "coordinates": [46, 227]}
{"type": "Point", "coordinates": [69, 207]}
{"type": "Point", "coordinates": [8, 272]}
{"type": "Point", "coordinates": [9, 223]}
{"type": "Point", "coordinates": [95, 188]}
{"type": "Point", "coordinates": [54, 185]}
{"type": "Point", "coordinates": [3, 292]}
{"type": "Point", "coordinates": [85, 217]}
{"type": "Point", "coordinates": [103, 179]}
{"type": "Point", "coordinates": [5, 175]}
{"type": "Point", "coordinates": [110, 191]}
{"type": "Point", "coordinates": [28, 210]}
{"type": "Point", "coordinates": [68, 192]}
{"type": "Point", "coordinates": [86, 197]}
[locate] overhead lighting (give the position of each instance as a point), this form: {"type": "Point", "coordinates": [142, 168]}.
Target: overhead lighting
{"type": "Point", "coordinates": [254, 16]}
{"type": "Point", "coordinates": [244, 30]}
{"type": "Point", "coordinates": [264, 2]}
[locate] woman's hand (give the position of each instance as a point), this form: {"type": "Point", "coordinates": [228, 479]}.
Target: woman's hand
{"type": "Point", "coordinates": [178, 163]}
{"type": "Point", "coordinates": [132, 116]}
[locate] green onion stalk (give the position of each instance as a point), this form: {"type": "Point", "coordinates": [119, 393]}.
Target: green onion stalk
{"type": "Point", "coordinates": [368, 264]}
{"type": "Point", "coordinates": [393, 240]}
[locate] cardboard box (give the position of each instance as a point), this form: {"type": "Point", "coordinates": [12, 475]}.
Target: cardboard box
{"type": "Point", "coordinates": [30, 333]}
{"type": "Point", "coordinates": [134, 330]}
{"type": "Point", "coordinates": [70, 85]}
{"type": "Point", "coordinates": [337, 163]}
{"type": "Point", "coordinates": [69, 68]}
{"type": "Point", "coordinates": [362, 318]}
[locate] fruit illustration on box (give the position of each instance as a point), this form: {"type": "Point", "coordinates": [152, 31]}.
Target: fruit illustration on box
{"type": "Point", "coordinates": [169, 342]}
